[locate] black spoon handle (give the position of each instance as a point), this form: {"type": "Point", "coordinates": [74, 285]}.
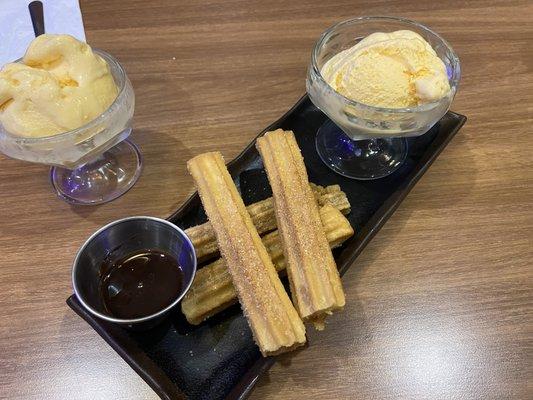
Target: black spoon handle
{"type": "Point", "coordinates": [37, 17]}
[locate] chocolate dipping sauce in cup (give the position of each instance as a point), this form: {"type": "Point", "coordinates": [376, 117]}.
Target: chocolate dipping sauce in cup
{"type": "Point", "coordinates": [134, 271]}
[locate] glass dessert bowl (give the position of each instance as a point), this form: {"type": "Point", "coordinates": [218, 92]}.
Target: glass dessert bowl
{"type": "Point", "coordinates": [94, 163]}
{"type": "Point", "coordinates": [362, 141]}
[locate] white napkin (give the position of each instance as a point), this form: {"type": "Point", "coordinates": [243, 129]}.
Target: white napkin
{"type": "Point", "coordinates": [16, 30]}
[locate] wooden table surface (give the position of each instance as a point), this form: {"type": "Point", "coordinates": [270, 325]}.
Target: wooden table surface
{"type": "Point", "coordinates": [439, 305]}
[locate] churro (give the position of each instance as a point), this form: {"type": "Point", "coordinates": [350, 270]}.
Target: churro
{"type": "Point", "coordinates": [274, 322]}
{"type": "Point", "coordinates": [262, 214]}
{"type": "Point", "coordinates": [315, 282]}
{"type": "Point", "coordinates": [212, 290]}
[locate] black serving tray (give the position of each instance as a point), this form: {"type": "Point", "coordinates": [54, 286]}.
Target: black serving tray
{"type": "Point", "coordinates": [218, 359]}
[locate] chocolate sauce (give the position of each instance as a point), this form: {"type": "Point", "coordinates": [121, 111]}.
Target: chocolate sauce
{"type": "Point", "coordinates": [140, 284]}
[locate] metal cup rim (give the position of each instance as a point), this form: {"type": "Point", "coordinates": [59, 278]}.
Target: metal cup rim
{"type": "Point", "coordinates": [150, 317]}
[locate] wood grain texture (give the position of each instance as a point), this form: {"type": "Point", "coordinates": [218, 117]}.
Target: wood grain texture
{"type": "Point", "coordinates": [439, 306]}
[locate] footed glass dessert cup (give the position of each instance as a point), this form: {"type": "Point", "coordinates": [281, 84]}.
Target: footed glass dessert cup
{"type": "Point", "coordinates": [362, 141]}
{"type": "Point", "coordinates": [94, 163]}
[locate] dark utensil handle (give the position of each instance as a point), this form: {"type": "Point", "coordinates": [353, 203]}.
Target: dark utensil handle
{"type": "Point", "coordinates": [37, 17]}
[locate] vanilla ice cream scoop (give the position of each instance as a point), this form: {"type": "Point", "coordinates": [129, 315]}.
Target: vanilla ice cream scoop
{"type": "Point", "coordinates": [60, 85]}
{"type": "Point", "coordinates": [394, 70]}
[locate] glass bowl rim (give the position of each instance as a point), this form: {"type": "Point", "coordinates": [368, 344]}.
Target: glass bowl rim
{"type": "Point", "coordinates": [454, 80]}
{"type": "Point", "coordinates": [63, 135]}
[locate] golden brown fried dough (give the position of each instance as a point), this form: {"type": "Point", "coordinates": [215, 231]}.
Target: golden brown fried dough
{"type": "Point", "coordinates": [273, 320]}
{"type": "Point", "coordinates": [315, 282]}
{"type": "Point", "coordinates": [262, 214]}
{"type": "Point", "coordinates": [212, 290]}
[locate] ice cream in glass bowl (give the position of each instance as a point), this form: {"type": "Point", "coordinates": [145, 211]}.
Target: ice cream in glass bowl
{"type": "Point", "coordinates": [379, 80]}
{"type": "Point", "coordinates": [71, 107]}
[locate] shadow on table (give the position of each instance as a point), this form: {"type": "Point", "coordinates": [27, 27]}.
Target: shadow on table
{"type": "Point", "coordinates": [164, 157]}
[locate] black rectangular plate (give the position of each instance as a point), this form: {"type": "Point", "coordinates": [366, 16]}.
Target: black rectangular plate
{"type": "Point", "coordinates": [218, 359]}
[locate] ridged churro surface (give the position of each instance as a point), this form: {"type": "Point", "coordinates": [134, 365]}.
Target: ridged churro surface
{"type": "Point", "coordinates": [273, 320]}
{"type": "Point", "coordinates": [212, 290]}
{"type": "Point", "coordinates": [315, 282]}
{"type": "Point", "coordinates": [262, 214]}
